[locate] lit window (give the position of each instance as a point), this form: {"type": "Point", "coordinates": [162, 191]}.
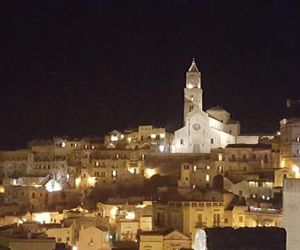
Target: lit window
{"type": "Point", "coordinates": [93, 147]}
{"type": "Point", "coordinates": [114, 138]}
{"type": "Point", "coordinates": [153, 136]}
{"type": "Point", "coordinates": [162, 136]}
{"type": "Point", "coordinates": [97, 163]}
{"type": "Point", "coordinates": [220, 157]}
{"type": "Point", "coordinates": [63, 144]}
{"type": "Point", "coordinates": [114, 173]}
{"type": "Point", "coordinates": [298, 139]}
{"type": "Point", "coordinates": [207, 167]}
{"type": "Point", "coordinates": [207, 177]}
{"type": "Point", "coordinates": [194, 168]}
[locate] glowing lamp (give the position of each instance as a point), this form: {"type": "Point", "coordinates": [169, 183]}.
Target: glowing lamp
{"type": "Point", "coordinates": [53, 186]}
{"type": "Point", "coordinates": [161, 148]}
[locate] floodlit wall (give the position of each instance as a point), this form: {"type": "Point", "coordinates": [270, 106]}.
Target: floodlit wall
{"type": "Point", "coordinates": [291, 211]}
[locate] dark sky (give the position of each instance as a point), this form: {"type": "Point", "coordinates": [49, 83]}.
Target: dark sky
{"type": "Point", "coordinates": [82, 68]}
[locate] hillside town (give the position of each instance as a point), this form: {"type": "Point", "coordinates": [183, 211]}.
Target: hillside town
{"type": "Point", "coordinates": [148, 188]}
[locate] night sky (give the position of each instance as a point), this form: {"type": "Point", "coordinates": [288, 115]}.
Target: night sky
{"type": "Point", "coordinates": [83, 68]}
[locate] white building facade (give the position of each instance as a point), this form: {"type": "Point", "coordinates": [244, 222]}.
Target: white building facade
{"type": "Point", "coordinates": [202, 130]}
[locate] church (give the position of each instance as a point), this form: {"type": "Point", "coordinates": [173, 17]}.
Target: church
{"type": "Point", "coordinates": [202, 131]}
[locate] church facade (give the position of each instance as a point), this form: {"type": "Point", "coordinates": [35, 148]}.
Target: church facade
{"type": "Point", "coordinates": [202, 131]}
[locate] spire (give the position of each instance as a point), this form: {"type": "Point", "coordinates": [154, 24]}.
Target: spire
{"type": "Point", "coordinates": [193, 67]}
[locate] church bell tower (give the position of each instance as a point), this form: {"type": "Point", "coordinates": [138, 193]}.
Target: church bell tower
{"type": "Point", "coordinates": [192, 90]}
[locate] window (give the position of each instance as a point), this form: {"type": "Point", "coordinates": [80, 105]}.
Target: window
{"type": "Point", "coordinates": [186, 167]}
{"type": "Point", "coordinates": [97, 163]}
{"type": "Point", "coordinates": [33, 195]}
{"type": "Point", "coordinates": [181, 142]}
{"type": "Point", "coordinates": [212, 141]}
{"type": "Point", "coordinates": [160, 218]}
{"type": "Point", "coordinates": [58, 239]}
{"type": "Point", "coordinates": [200, 218]}
{"type": "Point", "coordinates": [207, 177]}
{"type": "Point", "coordinates": [91, 243]}
{"type": "Point", "coordinates": [241, 219]}
{"type": "Point", "coordinates": [220, 169]}
{"type": "Point", "coordinates": [191, 107]}
{"type": "Point", "coordinates": [194, 168]}
{"type": "Point", "coordinates": [220, 157]}
{"type": "Point", "coordinates": [298, 151]}
{"type": "Point", "coordinates": [217, 220]}
{"type": "Point", "coordinates": [298, 139]}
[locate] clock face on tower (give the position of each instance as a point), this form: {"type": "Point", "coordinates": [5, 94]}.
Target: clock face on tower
{"type": "Point", "coordinates": [196, 126]}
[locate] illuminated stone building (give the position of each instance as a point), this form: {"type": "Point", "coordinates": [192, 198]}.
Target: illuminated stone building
{"type": "Point", "coordinates": [202, 130]}
{"type": "Point", "coordinates": [144, 137]}
{"type": "Point", "coordinates": [94, 238]}
{"type": "Point", "coordinates": [249, 158]}
{"type": "Point", "coordinates": [62, 233]}
{"type": "Point", "coordinates": [289, 150]}
{"type": "Point", "coordinates": [27, 197]}
{"type": "Point", "coordinates": [196, 209]}
{"type": "Point", "coordinates": [106, 172]}
{"type": "Point", "coordinates": [291, 210]}
{"type": "Point", "coordinates": [166, 240]}
{"type": "Point", "coordinates": [204, 174]}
